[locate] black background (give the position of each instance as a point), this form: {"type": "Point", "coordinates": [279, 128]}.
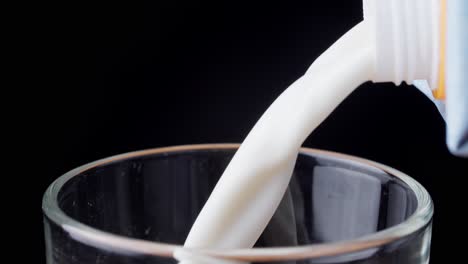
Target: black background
{"type": "Point", "coordinates": [116, 77]}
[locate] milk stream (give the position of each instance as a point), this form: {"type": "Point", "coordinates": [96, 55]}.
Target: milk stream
{"type": "Point", "coordinates": [253, 184]}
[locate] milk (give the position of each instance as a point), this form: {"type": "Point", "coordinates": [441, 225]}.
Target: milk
{"type": "Point", "coordinates": [254, 182]}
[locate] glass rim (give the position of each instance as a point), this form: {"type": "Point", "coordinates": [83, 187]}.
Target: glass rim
{"type": "Point", "coordinates": [126, 245]}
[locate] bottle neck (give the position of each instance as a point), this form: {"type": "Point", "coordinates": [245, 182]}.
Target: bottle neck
{"type": "Point", "coordinates": [406, 35]}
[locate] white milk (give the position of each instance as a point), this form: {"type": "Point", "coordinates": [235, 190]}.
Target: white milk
{"type": "Point", "coordinates": [254, 183]}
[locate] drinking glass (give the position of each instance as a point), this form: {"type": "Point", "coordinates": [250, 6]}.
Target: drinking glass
{"type": "Point", "coordinates": [139, 207]}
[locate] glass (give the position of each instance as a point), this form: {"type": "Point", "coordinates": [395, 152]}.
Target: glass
{"type": "Point", "coordinates": [139, 207]}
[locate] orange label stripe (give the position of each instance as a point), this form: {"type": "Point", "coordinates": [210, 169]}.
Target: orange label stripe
{"type": "Point", "coordinates": [439, 93]}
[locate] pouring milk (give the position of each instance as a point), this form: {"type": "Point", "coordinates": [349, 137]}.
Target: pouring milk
{"type": "Point", "coordinates": [253, 184]}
